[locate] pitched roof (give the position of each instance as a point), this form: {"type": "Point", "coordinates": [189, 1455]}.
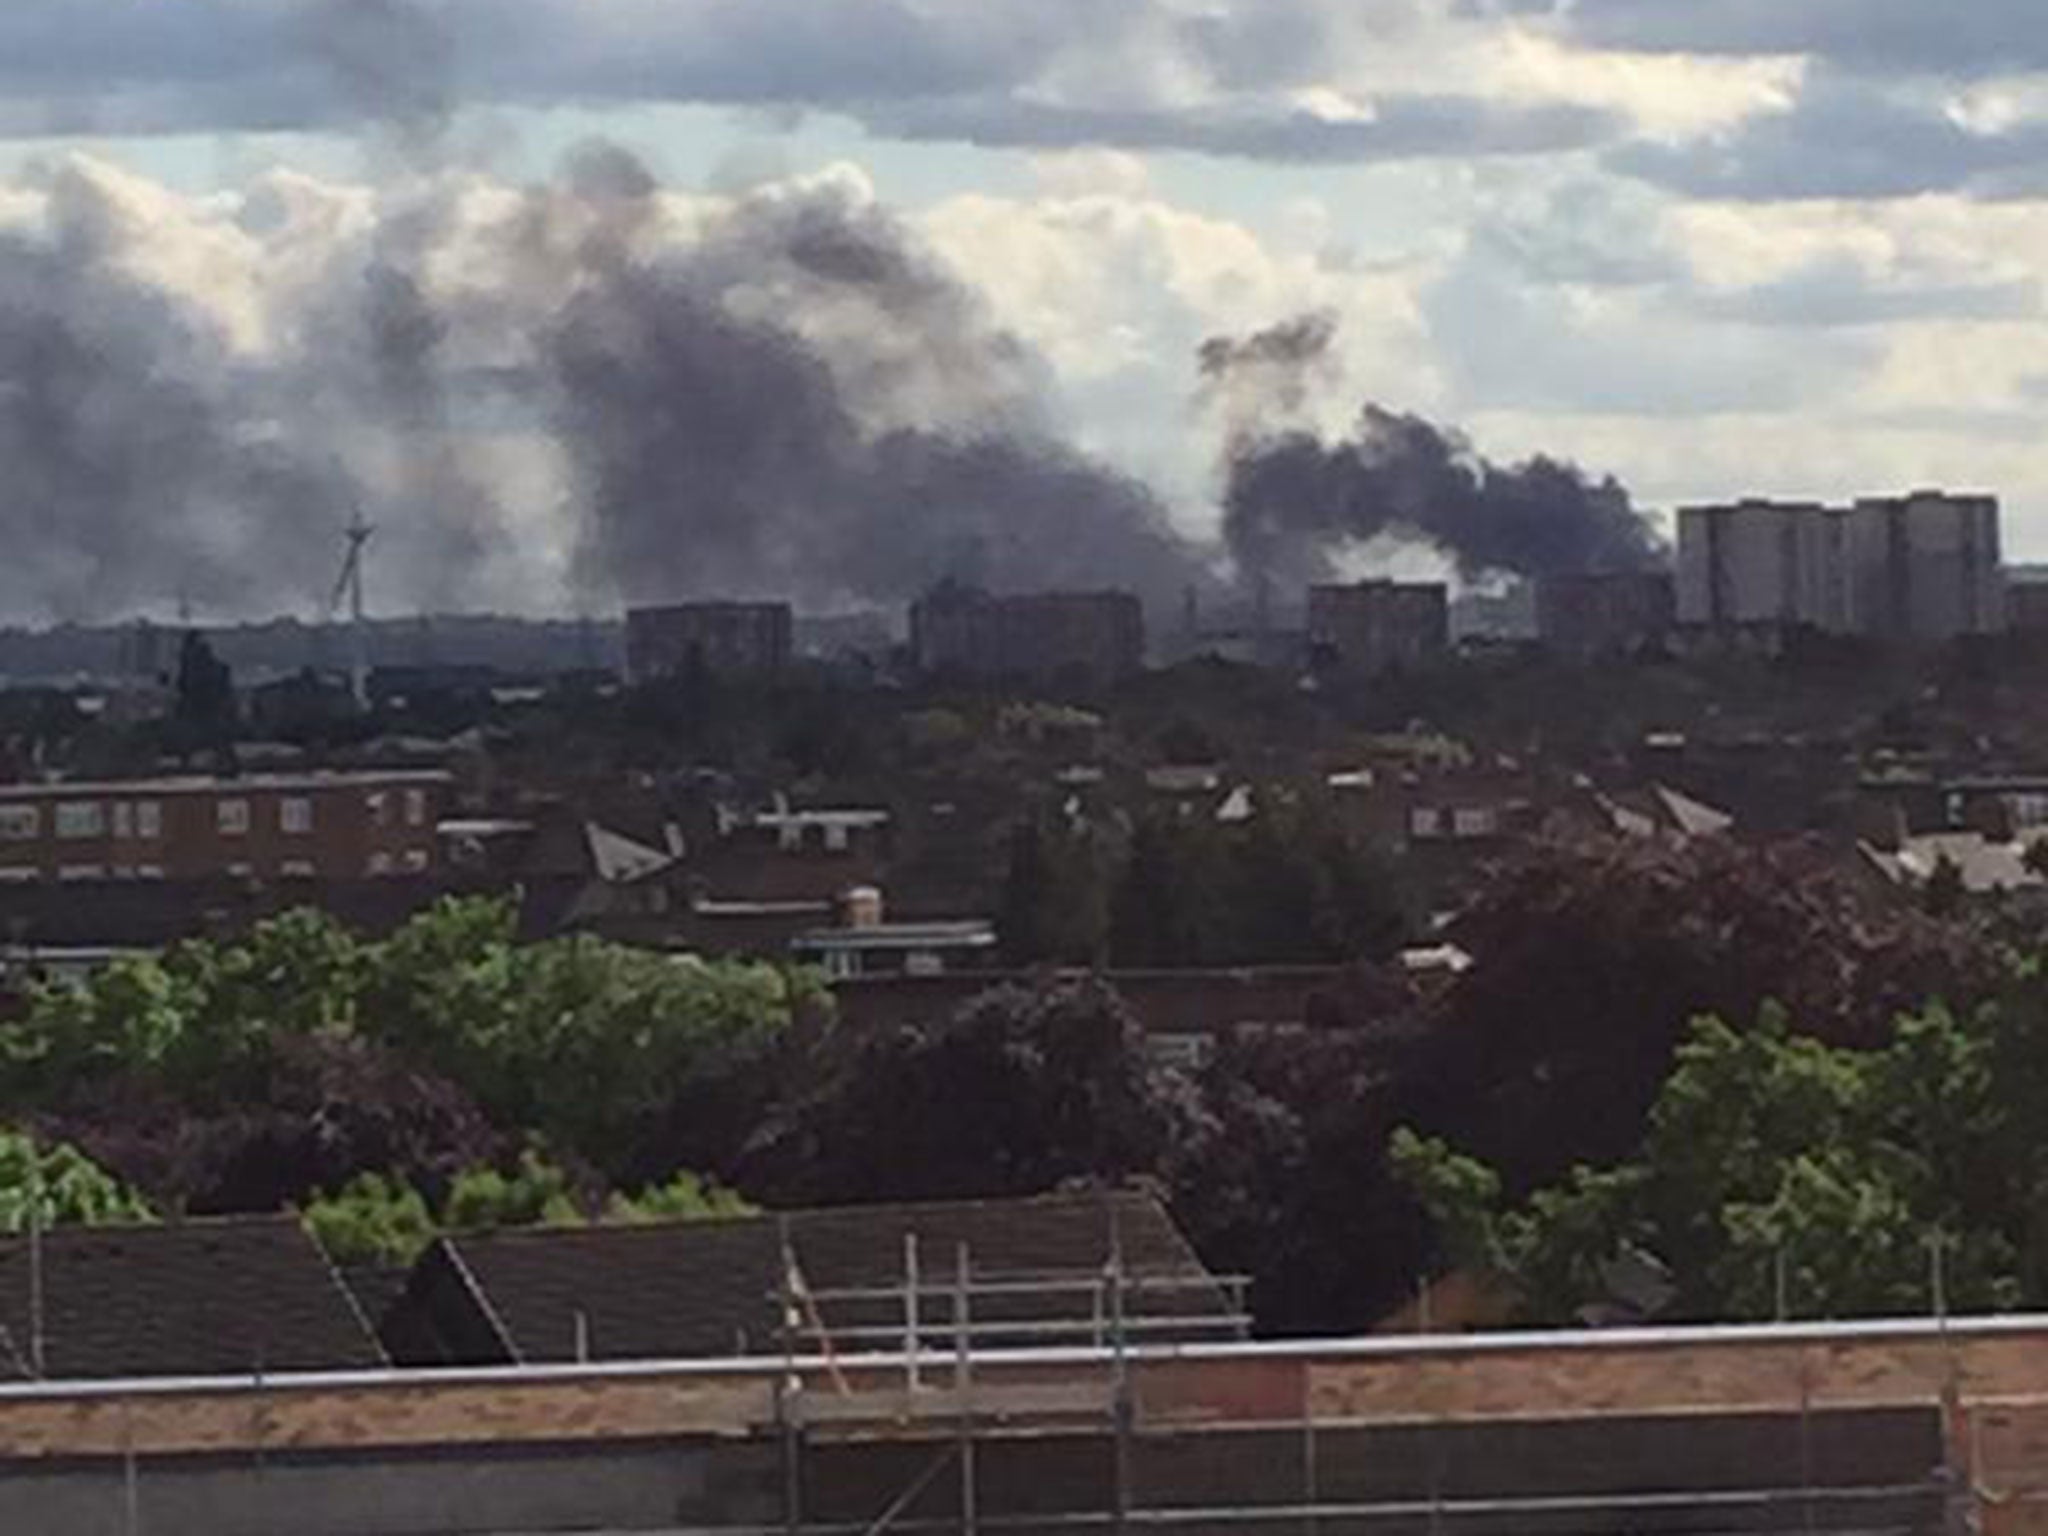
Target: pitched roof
{"type": "Point", "coordinates": [194, 1298]}
{"type": "Point", "coordinates": [705, 1289]}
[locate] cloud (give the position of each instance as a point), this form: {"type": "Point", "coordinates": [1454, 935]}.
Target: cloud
{"type": "Point", "coordinates": [1399, 128]}
{"type": "Point", "coordinates": [1291, 80]}
{"type": "Point", "coordinates": [1884, 36]}
{"type": "Point", "coordinates": [1837, 291]}
{"type": "Point", "coordinates": [1845, 137]}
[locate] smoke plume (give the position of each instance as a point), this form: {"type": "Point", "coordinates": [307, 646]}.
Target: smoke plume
{"type": "Point", "coordinates": [136, 473]}
{"type": "Point", "coordinates": [1268, 378]}
{"type": "Point", "coordinates": [719, 448]}
{"type": "Point", "coordinates": [1295, 501]}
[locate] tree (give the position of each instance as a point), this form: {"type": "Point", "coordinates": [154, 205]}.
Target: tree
{"type": "Point", "coordinates": [1945, 891]}
{"type": "Point", "coordinates": [685, 1197]}
{"type": "Point", "coordinates": [1170, 906]}
{"type": "Point", "coordinates": [1281, 1172]}
{"type": "Point", "coordinates": [323, 1110]}
{"type": "Point", "coordinates": [637, 1061]}
{"type": "Point", "coordinates": [1592, 960]}
{"type": "Point", "coordinates": [372, 1220]}
{"type": "Point", "coordinates": [389, 1222]}
{"type": "Point", "coordinates": [1305, 892]}
{"type": "Point", "coordinates": [1016, 1094]}
{"type": "Point", "coordinates": [1051, 910]}
{"type": "Point", "coordinates": [1777, 1170]}
{"type": "Point", "coordinates": [205, 710]}
{"type": "Point", "coordinates": [48, 1185]}
{"type": "Point", "coordinates": [537, 1192]}
{"type": "Point", "coordinates": [242, 1075]}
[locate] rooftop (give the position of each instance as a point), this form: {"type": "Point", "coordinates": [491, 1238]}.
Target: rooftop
{"type": "Point", "coordinates": [708, 1289]}
{"type": "Point", "coordinates": [193, 1298]}
{"type": "Point", "coordinates": [210, 784]}
{"type": "Point", "coordinates": [972, 933]}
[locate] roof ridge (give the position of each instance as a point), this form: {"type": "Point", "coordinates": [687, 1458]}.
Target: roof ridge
{"type": "Point", "coordinates": [878, 1210]}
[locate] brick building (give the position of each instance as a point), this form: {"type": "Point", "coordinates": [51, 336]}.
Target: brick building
{"type": "Point", "coordinates": [344, 826]}
{"type": "Point", "coordinates": [737, 640]}
{"type": "Point", "coordinates": [963, 631]}
{"type": "Point", "coordinates": [1373, 625]}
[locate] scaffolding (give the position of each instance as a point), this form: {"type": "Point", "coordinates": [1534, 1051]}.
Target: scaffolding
{"type": "Point", "coordinates": [911, 1367]}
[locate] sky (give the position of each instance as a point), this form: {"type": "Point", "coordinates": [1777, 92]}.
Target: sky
{"type": "Point", "coordinates": [1710, 247]}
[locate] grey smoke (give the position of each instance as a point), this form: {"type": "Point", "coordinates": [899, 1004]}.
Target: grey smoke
{"type": "Point", "coordinates": [791, 397]}
{"type": "Point", "coordinates": [134, 472]}
{"type": "Point", "coordinates": [786, 396]}
{"type": "Point", "coordinates": [1296, 500]}
{"type": "Point", "coordinates": [718, 449]}
{"type": "Point", "coordinates": [1270, 376]}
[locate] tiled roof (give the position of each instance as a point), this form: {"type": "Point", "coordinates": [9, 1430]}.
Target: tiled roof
{"type": "Point", "coordinates": [196, 1298]}
{"type": "Point", "coordinates": [708, 1288]}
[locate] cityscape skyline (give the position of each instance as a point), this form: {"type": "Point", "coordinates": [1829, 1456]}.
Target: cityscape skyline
{"type": "Point", "coordinates": [1564, 231]}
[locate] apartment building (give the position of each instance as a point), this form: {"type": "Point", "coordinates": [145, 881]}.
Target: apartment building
{"type": "Point", "coordinates": [1591, 614]}
{"type": "Point", "coordinates": [1921, 567]}
{"type": "Point", "coordinates": [1373, 625]}
{"type": "Point", "coordinates": [328, 827]}
{"type": "Point", "coordinates": [724, 640]}
{"type": "Point", "coordinates": [962, 631]}
{"type": "Point", "coordinates": [1927, 566]}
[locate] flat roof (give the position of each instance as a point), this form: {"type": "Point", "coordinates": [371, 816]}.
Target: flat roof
{"type": "Point", "coordinates": [1347, 1349]}
{"type": "Point", "coordinates": [821, 818]}
{"type": "Point", "coordinates": [974, 935]}
{"type": "Point", "coordinates": [207, 784]}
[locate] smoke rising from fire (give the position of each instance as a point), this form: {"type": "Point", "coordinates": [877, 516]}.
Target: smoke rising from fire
{"type": "Point", "coordinates": [775, 393]}
{"type": "Point", "coordinates": [1295, 500]}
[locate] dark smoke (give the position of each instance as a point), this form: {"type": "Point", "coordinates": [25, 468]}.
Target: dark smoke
{"type": "Point", "coordinates": [1296, 501]}
{"type": "Point", "coordinates": [1270, 374]}
{"type": "Point", "coordinates": [130, 471]}
{"type": "Point", "coordinates": [720, 450]}
{"type": "Point", "coordinates": [784, 397]}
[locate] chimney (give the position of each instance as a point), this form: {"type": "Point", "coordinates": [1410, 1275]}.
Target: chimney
{"type": "Point", "coordinates": [860, 906]}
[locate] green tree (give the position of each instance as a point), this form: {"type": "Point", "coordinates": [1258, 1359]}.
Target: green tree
{"type": "Point", "coordinates": [606, 1050]}
{"type": "Point", "coordinates": [685, 1197]}
{"type": "Point", "coordinates": [250, 1059]}
{"type": "Point", "coordinates": [1776, 1168]}
{"type": "Point", "coordinates": [537, 1192]}
{"type": "Point", "coordinates": [372, 1220]}
{"type": "Point", "coordinates": [389, 1222]}
{"type": "Point", "coordinates": [46, 1185]}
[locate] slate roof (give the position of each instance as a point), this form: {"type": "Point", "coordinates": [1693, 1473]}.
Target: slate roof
{"type": "Point", "coordinates": [708, 1289]}
{"type": "Point", "coordinates": [194, 1298]}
